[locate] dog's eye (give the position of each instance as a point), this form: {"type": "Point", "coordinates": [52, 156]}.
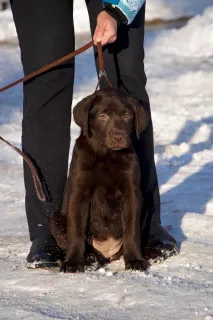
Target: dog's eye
{"type": "Point", "coordinates": [103, 116]}
{"type": "Point", "coordinates": [126, 115]}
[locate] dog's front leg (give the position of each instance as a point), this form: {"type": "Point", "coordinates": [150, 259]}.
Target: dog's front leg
{"type": "Point", "coordinates": [131, 232]}
{"type": "Point", "coordinates": [77, 215]}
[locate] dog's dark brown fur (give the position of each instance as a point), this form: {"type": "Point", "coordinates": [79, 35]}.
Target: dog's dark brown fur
{"type": "Point", "coordinates": [102, 198]}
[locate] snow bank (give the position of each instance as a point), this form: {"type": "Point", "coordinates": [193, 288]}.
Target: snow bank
{"type": "Point", "coordinates": [195, 40]}
{"type": "Point", "coordinates": [173, 9]}
{"type": "Point", "coordinates": [7, 27]}
{"type": "Point", "coordinates": [81, 19]}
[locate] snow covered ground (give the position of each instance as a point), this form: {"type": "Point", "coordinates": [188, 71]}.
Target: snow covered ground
{"type": "Point", "coordinates": [179, 68]}
{"type": "Point", "coordinates": [173, 9]}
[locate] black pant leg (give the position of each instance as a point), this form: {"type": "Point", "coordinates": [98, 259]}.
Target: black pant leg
{"type": "Point", "coordinates": [125, 68]}
{"type": "Point", "coordinates": [45, 31]}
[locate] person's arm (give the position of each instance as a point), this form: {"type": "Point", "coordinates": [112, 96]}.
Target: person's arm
{"type": "Point", "coordinates": [127, 8]}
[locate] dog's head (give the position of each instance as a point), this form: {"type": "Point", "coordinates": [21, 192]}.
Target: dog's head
{"type": "Point", "coordinates": [110, 115]}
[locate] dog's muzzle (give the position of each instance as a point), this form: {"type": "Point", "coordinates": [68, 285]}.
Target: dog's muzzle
{"type": "Point", "coordinates": [117, 140]}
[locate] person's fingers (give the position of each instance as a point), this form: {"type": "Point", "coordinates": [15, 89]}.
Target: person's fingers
{"type": "Point", "coordinates": [106, 39]}
{"type": "Point", "coordinates": [113, 39]}
{"type": "Point", "coordinates": [99, 32]}
{"type": "Point", "coordinates": [109, 36]}
{"type": "Point", "coordinates": [97, 37]}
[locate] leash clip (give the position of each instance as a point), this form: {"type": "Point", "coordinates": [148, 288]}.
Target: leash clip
{"type": "Point", "coordinates": [102, 74]}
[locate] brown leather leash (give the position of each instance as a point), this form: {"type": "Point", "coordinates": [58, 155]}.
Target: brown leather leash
{"type": "Point", "coordinates": [37, 182]}
{"type": "Point", "coordinates": [101, 65]}
{"type": "Point", "coordinates": [61, 60]}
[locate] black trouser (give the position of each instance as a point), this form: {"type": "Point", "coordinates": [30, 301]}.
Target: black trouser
{"type": "Point", "coordinates": [45, 32]}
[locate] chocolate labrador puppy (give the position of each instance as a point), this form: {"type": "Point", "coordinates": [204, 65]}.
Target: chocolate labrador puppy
{"type": "Point", "coordinates": [102, 202]}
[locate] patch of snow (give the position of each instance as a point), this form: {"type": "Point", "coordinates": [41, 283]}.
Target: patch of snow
{"type": "Point", "coordinates": [7, 27]}
{"type": "Point", "coordinates": [173, 9]}
{"type": "Point", "coordinates": [8, 30]}
{"type": "Point", "coordinates": [195, 42]}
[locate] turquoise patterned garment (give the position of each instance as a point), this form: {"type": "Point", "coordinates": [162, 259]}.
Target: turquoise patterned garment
{"type": "Point", "coordinates": [129, 8]}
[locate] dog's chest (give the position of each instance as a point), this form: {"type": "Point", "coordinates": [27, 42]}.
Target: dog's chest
{"type": "Point", "coordinates": [107, 206]}
{"type": "Point", "coordinates": [106, 212]}
{"type": "Point", "coordinates": [110, 177]}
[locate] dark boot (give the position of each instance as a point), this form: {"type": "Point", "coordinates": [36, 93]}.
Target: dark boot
{"type": "Point", "coordinates": [160, 245]}
{"type": "Point", "coordinates": [44, 252]}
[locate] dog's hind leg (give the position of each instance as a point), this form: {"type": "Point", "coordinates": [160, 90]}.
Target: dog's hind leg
{"type": "Point", "coordinates": [58, 222]}
{"type": "Point", "coordinates": [58, 227]}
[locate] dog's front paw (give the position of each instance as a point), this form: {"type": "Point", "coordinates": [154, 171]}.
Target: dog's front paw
{"type": "Point", "coordinates": [140, 265]}
{"type": "Point", "coordinates": [71, 267]}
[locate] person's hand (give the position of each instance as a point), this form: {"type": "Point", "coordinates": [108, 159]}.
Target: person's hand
{"type": "Point", "coordinates": [106, 29]}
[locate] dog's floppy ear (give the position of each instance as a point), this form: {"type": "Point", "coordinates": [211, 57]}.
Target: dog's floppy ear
{"type": "Point", "coordinates": [141, 117]}
{"type": "Point", "coordinates": [81, 113]}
